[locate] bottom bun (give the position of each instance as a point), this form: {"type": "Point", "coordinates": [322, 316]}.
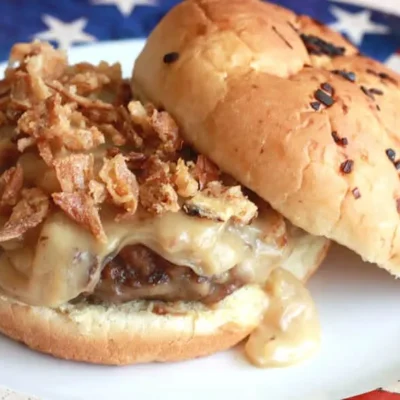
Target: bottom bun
{"type": "Point", "coordinates": [134, 333]}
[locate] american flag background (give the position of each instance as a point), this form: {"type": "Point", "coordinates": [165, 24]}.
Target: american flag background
{"type": "Point", "coordinates": [374, 26]}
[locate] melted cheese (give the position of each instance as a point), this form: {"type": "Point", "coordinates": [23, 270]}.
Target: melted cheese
{"type": "Point", "coordinates": [66, 260]}
{"type": "Point", "coordinates": [290, 330]}
{"type": "Point", "coordinates": [61, 261]}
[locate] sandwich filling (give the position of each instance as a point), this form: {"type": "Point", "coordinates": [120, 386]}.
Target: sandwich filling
{"type": "Point", "coordinates": [101, 201]}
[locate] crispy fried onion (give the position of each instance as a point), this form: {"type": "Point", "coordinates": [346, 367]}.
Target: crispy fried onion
{"type": "Point", "coordinates": [121, 183]}
{"type": "Point", "coordinates": [139, 116]}
{"type": "Point", "coordinates": [73, 116]}
{"type": "Point", "coordinates": [54, 125]}
{"type": "Point", "coordinates": [36, 63]}
{"type": "Point", "coordinates": [11, 182]}
{"type": "Point", "coordinates": [88, 78]}
{"type": "Point", "coordinates": [157, 194]}
{"type": "Point", "coordinates": [81, 207]}
{"type": "Point", "coordinates": [116, 136]}
{"type": "Point", "coordinates": [27, 90]}
{"type": "Point", "coordinates": [205, 171]}
{"type": "Point", "coordinates": [74, 172]}
{"type": "Point", "coordinates": [167, 131]}
{"type": "Point", "coordinates": [116, 125]}
{"type": "Point", "coordinates": [186, 185]}
{"type": "Point", "coordinates": [221, 203]}
{"type": "Point", "coordinates": [98, 191]}
{"type": "Point", "coordinates": [28, 213]}
{"type": "Point", "coordinates": [126, 125]}
{"type": "Point", "coordinates": [38, 59]}
{"type": "Point", "coordinates": [71, 95]}
{"type": "Point", "coordinates": [156, 124]}
{"type": "Point", "coordinates": [80, 192]}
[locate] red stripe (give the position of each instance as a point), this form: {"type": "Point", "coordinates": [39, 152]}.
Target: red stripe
{"type": "Point", "coordinates": [377, 395]}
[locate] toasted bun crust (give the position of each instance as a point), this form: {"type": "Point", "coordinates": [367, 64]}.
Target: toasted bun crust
{"type": "Point", "coordinates": [133, 333]}
{"type": "Point", "coordinates": [241, 90]}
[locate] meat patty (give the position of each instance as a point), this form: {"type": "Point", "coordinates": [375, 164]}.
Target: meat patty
{"type": "Point", "coordinates": [137, 273]}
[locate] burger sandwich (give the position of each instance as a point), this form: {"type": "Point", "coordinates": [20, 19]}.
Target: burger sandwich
{"type": "Point", "coordinates": [173, 215]}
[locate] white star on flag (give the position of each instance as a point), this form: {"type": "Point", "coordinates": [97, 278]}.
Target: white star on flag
{"type": "Point", "coordinates": [125, 6]}
{"type": "Point", "coordinates": [389, 6]}
{"type": "Point", "coordinates": [65, 33]}
{"type": "Point", "coordinates": [356, 25]}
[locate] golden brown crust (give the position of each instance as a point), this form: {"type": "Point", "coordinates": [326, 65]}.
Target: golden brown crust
{"type": "Point", "coordinates": [254, 70]}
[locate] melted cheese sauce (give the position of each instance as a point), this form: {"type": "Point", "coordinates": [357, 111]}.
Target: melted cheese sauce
{"type": "Point", "coordinates": [290, 330]}
{"type": "Point", "coordinates": [66, 260]}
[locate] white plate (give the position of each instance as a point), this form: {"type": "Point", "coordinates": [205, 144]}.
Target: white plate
{"type": "Point", "coordinates": [360, 349]}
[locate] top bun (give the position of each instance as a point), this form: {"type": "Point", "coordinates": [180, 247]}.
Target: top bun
{"type": "Point", "coordinates": [291, 110]}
